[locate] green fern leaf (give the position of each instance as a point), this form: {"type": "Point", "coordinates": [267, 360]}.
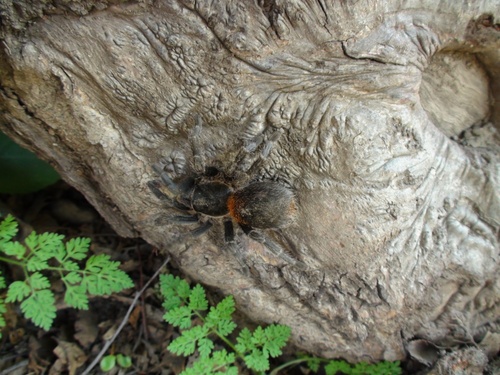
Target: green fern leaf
{"type": "Point", "coordinates": [77, 248]}
{"type": "Point", "coordinates": [45, 245]}
{"type": "Point", "coordinates": [263, 343]}
{"type": "Point", "coordinates": [197, 299]}
{"type": "Point", "coordinates": [97, 262]}
{"type": "Point", "coordinates": [69, 265]}
{"type": "Point", "coordinates": [97, 285]}
{"type": "Point", "coordinates": [182, 345]}
{"type": "Point", "coordinates": [40, 308]}
{"type": "Point", "coordinates": [179, 317]}
{"type": "Point", "coordinates": [18, 291]}
{"type": "Point", "coordinates": [223, 359]}
{"type": "Point", "coordinates": [2, 281]}
{"type": "Point", "coordinates": [218, 364]}
{"type": "Point", "coordinates": [226, 307]}
{"type": "Point", "coordinates": [8, 229]}
{"type": "Point", "coordinates": [219, 317]}
{"type": "Point", "coordinates": [100, 276]}
{"type": "Point", "coordinates": [171, 302]}
{"type": "Point", "coordinates": [205, 347]}
{"type": "Point", "coordinates": [51, 243]}
{"type": "Point", "coordinates": [35, 263]}
{"type": "Point", "coordinates": [387, 368]}
{"type": "Point", "coordinates": [185, 344]}
{"type": "Point", "coordinates": [14, 249]}
{"type": "Point", "coordinates": [119, 280]}
{"type": "Point", "coordinates": [313, 364]}
{"type": "Point", "coordinates": [76, 297]}
{"type": "Point", "coordinates": [360, 368]}
{"type": "Point", "coordinates": [257, 361]}
{"type": "Point", "coordinates": [174, 291]}
{"type": "Point", "coordinates": [183, 290]}
{"type": "Point", "coordinates": [276, 337]}
{"type": "Point", "coordinates": [113, 282]}
{"type": "Point", "coordinates": [258, 336]}
{"type": "Point", "coordinates": [335, 366]}
{"type": "Point", "coordinates": [3, 310]}
{"type": "Point", "coordinates": [175, 285]}
{"type": "Point", "coordinates": [199, 367]}
{"type": "Point", "coordinates": [104, 276]}
{"type": "Point", "coordinates": [226, 327]}
{"type": "Point", "coordinates": [32, 241]}
{"type": "Point", "coordinates": [38, 281]}
{"type": "Point", "coordinates": [244, 341]}
{"type": "Point", "coordinates": [72, 278]}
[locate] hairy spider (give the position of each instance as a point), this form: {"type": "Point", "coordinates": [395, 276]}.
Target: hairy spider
{"type": "Point", "coordinates": [257, 207]}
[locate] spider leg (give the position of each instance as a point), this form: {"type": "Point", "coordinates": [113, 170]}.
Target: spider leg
{"type": "Point", "coordinates": [168, 182]}
{"type": "Point", "coordinates": [177, 219]}
{"type": "Point", "coordinates": [228, 231]}
{"type": "Point", "coordinates": [275, 248]}
{"type": "Point", "coordinates": [176, 188]}
{"type": "Point", "coordinates": [201, 229]}
{"type": "Point", "coordinates": [162, 220]}
{"type": "Point", "coordinates": [184, 219]}
{"type": "Point", "coordinates": [233, 245]}
{"type": "Point", "coordinates": [239, 253]}
{"type": "Point", "coordinates": [155, 187]}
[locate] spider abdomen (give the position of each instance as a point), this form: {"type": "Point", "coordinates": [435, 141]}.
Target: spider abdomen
{"type": "Point", "coordinates": [211, 198]}
{"type": "Point", "coordinates": [263, 205]}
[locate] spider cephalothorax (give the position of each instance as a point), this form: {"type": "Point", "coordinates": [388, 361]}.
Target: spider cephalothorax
{"type": "Point", "coordinates": [256, 207]}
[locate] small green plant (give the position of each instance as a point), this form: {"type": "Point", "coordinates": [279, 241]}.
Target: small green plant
{"type": "Point", "coordinates": [109, 362]}
{"type": "Point", "coordinates": [47, 254]}
{"type": "Point", "coordinates": [187, 308]}
{"type": "Point", "coordinates": [334, 367]}
{"type": "Point", "coordinates": [341, 367]}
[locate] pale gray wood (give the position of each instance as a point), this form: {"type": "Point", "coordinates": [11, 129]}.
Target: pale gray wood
{"type": "Point", "coordinates": [388, 115]}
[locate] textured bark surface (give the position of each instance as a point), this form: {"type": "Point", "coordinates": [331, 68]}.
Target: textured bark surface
{"type": "Point", "coordinates": [382, 116]}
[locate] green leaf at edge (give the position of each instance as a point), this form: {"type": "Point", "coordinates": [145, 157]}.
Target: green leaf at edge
{"type": "Point", "coordinates": [40, 308]}
{"type": "Point", "coordinates": [108, 363]}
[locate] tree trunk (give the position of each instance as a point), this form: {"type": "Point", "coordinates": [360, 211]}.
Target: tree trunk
{"type": "Point", "coordinates": [381, 117]}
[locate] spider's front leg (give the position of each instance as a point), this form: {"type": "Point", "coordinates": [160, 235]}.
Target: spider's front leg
{"type": "Point", "coordinates": [228, 231]}
{"type": "Point", "coordinates": [203, 228]}
{"type": "Point", "coordinates": [274, 247]}
{"type": "Point", "coordinates": [234, 246]}
{"type": "Point", "coordinates": [172, 187]}
{"type": "Point", "coordinates": [156, 188]}
{"type": "Point", "coordinates": [173, 195]}
{"type": "Point", "coordinates": [184, 218]}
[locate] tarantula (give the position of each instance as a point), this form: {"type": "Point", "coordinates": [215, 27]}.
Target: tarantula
{"type": "Point", "coordinates": [208, 196]}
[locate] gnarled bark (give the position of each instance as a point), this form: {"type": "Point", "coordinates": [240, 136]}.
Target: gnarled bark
{"type": "Point", "coordinates": [382, 116]}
